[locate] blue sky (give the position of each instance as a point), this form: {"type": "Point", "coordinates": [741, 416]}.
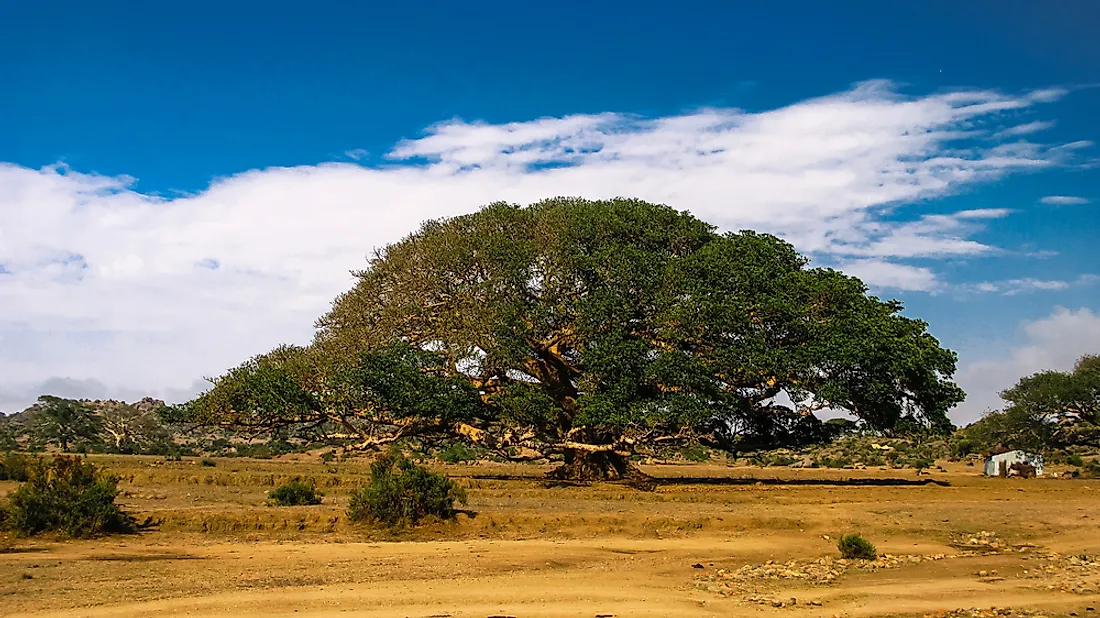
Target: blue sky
{"type": "Point", "coordinates": [142, 143]}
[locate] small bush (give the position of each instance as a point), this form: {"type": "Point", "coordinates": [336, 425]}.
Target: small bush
{"type": "Point", "coordinates": [207, 463]}
{"type": "Point", "coordinates": [401, 493]}
{"type": "Point", "coordinates": [294, 493]}
{"type": "Point", "coordinates": [13, 467]}
{"type": "Point", "coordinates": [456, 452]}
{"type": "Point", "coordinates": [841, 461]}
{"type": "Point", "coordinates": [1075, 460]}
{"type": "Point", "coordinates": [69, 496]}
{"type": "Point", "coordinates": [696, 453]}
{"type": "Point", "coordinates": [1091, 468]}
{"type": "Point", "coordinates": [854, 546]}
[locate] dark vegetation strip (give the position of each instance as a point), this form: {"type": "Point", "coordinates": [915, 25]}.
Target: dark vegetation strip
{"type": "Point", "coordinates": [744, 480]}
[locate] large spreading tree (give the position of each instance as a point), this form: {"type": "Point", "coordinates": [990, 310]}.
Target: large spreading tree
{"type": "Point", "coordinates": [591, 328]}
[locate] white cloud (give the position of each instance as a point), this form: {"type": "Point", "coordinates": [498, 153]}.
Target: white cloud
{"type": "Point", "coordinates": [1012, 287]}
{"type": "Point", "coordinates": [1023, 129]}
{"type": "Point", "coordinates": [1054, 342]}
{"type": "Point", "coordinates": [889, 275]}
{"type": "Point", "coordinates": [141, 292]}
{"type": "Point", "coordinates": [930, 236]}
{"type": "Point", "coordinates": [1064, 200]}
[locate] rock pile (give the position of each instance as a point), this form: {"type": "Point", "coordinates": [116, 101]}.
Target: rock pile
{"type": "Point", "coordinates": [1075, 574]}
{"type": "Point", "coordinates": [978, 612]}
{"type": "Point", "coordinates": [821, 571]}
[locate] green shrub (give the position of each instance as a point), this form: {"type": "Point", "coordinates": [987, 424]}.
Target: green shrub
{"type": "Point", "coordinates": [207, 463]}
{"type": "Point", "coordinates": [456, 452]}
{"type": "Point", "coordinates": [843, 461]}
{"type": "Point", "coordinates": [401, 493]}
{"type": "Point", "coordinates": [921, 463]}
{"type": "Point", "coordinates": [854, 546]}
{"type": "Point", "coordinates": [294, 493]}
{"type": "Point", "coordinates": [1075, 460]}
{"type": "Point", "coordinates": [696, 453]}
{"type": "Point", "coordinates": [13, 467]}
{"type": "Point", "coordinates": [69, 496]}
{"type": "Point", "coordinates": [1092, 468]}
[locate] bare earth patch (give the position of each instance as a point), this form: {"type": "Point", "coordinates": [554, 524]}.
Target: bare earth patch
{"type": "Point", "coordinates": [719, 544]}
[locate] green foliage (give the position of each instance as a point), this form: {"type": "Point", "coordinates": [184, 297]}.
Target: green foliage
{"type": "Point", "coordinates": [207, 463]}
{"type": "Point", "coordinates": [66, 495]}
{"type": "Point", "coordinates": [132, 429]}
{"type": "Point", "coordinates": [286, 388]}
{"type": "Point", "coordinates": [841, 461]}
{"type": "Point", "coordinates": [1046, 410]}
{"type": "Point", "coordinates": [456, 452]}
{"type": "Point", "coordinates": [8, 441]}
{"type": "Point", "coordinates": [14, 467]}
{"type": "Point", "coordinates": [401, 493]}
{"type": "Point", "coordinates": [775, 458]}
{"type": "Point", "coordinates": [294, 493]}
{"type": "Point", "coordinates": [600, 316]}
{"type": "Point", "coordinates": [1075, 460]}
{"type": "Point", "coordinates": [696, 452]}
{"type": "Point", "coordinates": [1092, 468]}
{"type": "Point", "coordinates": [855, 547]}
{"type": "Point", "coordinates": [63, 422]}
{"type": "Point", "coordinates": [1056, 396]}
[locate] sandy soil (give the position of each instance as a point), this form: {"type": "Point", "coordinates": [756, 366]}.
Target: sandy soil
{"type": "Point", "coordinates": [698, 547]}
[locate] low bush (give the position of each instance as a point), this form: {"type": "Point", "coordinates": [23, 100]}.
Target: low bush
{"type": "Point", "coordinates": [294, 493]}
{"type": "Point", "coordinates": [207, 463]}
{"type": "Point", "coordinates": [855, 547]}
{"type": "Point", "coordinates": [1075, 460]}
{"type": "Point", "coordinates": [696, 453]}
{"type": "Point", "coordinates": [401, 493]}
{"type": "Point", "coordinates": [456, 452]}
{"type": "Point", "coordinates": [69, 496]}
{"type": "Point", "coordinates": [1091, 469]}
{"type": "Point", "coordinates": [14, 467]}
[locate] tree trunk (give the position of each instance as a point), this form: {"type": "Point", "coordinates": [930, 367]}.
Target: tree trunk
{"type": "Point", "coordinates": [586, 465]}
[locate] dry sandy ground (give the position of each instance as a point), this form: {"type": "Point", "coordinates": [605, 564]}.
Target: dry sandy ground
{"type": "Point", "coordinates": [603, 550]}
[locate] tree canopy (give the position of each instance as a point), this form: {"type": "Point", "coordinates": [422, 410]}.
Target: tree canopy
{"type": "Point", "coordinates": [1047, 409]}
{"type": "Point", "coordinates": [63, 421]}
{"type": "Point", "coordinates": [592, 326]}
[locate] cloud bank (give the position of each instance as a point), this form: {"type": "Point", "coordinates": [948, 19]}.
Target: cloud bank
{"type": "Point", "coordinates": [143, 293]}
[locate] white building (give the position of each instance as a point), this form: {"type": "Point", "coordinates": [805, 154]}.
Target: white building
{"type": "Point", "coordinates": [1001, 464]}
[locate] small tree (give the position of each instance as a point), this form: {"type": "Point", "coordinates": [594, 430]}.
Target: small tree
{"type": "Point", "coordinates": [401, 493]}
{"type": "Point", "coordinates": [63, 421]}
{"type": "Point", "coordinates": [1045, 410]}
{"type": "Point", "coordinates": [131, 428]}
{"type": "Point", "coordinates": [69, 496]}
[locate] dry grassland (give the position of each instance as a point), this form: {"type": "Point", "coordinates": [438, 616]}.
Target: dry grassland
{"type": "Point", "coordinates": [765, 548]}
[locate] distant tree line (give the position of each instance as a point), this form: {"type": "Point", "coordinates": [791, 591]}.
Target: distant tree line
{"type": "Point", "coordinates": [1044, 411]}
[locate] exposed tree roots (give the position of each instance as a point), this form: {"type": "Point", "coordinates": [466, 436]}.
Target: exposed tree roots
{"type": "Point", "coordinates": [584, 466]}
